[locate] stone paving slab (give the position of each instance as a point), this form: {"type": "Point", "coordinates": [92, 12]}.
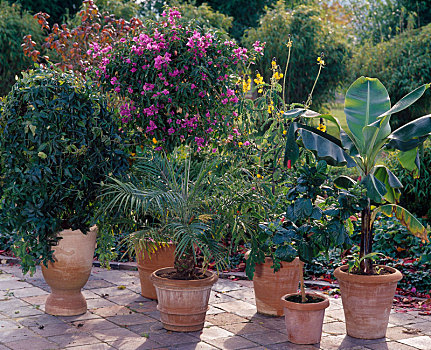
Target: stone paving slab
{"type": "Point", "coordinates": [118, 317]}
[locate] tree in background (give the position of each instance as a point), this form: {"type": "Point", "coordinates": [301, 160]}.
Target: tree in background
{"type": "Point", "coordinates": [311, 35]}
{"type": "Point", "coordinates": [57, 9]}
{"type": "Point", "coordinates": [401, 63]}
{"type": "Point", "coordinates": [14, 24]}
{"type": "Point", "coordinates": [421, 9]}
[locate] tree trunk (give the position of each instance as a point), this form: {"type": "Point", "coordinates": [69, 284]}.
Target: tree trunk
{"type": "Point", "coordinates": [185, 265]}
{"type": "Point", "coordinates": [366, 266]}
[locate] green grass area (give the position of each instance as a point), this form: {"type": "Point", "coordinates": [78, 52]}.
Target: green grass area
{"type": "Point", "coordinates": [337, 111]}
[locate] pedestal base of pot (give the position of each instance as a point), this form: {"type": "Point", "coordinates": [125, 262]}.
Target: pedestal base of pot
{"type": "Point", "coordinates": [147, 263]}
{"type": "Point", "coordinates": [182, 304]}
{"type": "Point", "coordinates": [269, 287]}
{"type": "Point", "coordinates": [304, 322]}
{"type": "Point", "coordinates": [70, 272]}
{"type": "Point", "coordinates": [367, 301]}
{"type": "Point", "coordinates": [62, 303]}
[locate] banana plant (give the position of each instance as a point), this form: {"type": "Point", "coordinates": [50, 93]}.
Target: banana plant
{"type": "Point", "coordinates": [368, 111]}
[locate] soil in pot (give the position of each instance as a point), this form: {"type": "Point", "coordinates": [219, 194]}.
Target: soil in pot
{"type": "Point", "coordinates": [304, 321]}
{"type": "Point", "coordinates": [367, 301]}
{"type": "Point", "coordinates": [148, 262]}
{"type": "Point", "coordinates": [182, 303]}
{"type": "Point", "coordinates": [70, 272]}
{"type": "Point", "coordinates": [269, 287]}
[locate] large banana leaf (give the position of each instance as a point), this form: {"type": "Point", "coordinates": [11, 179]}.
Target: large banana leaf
{"type": "Point", "coordinates": [366, 100]}
{"type": "Point", "coordinates": [323, 145]}
{"type": "Point", "coordinates": [410, 161]}
{"type": "Point", "coordinates": [415, 130]}
{"type": "Point", "coordinates": [406, 219]}
{"type": "Point", "coordinates": [376, 189]}
{"type": "Point", "coordinates": [391, 182]}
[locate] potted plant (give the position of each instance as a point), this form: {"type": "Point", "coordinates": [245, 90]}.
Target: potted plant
{"type": "Point", "coordinates": [58, 141]}
{"type": "Point", "coordinates": [313, 222]}
{"type": "Point", "coordinates": [367, 291]}
{"type": "Point", "coordinates": [175, 198]}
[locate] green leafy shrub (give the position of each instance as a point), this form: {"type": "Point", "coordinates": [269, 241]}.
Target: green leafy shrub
{"type": "Point", "coordinates": [416, 193]}
{"type": "Point", "coordinates": [311, 36]}
{"type": "Point", "coordinates": [57, 9]}
{"type": "Point", "coordinates": [14, 24]}
{"type": "Point", "coordinates": [58, 142]}
{"type": "Point", "coordinates": [402, 64]}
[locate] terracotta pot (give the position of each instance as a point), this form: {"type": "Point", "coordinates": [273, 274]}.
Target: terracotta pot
{"type": "Point", "coordinates": [269, 287]}
{"type": "Point", "coordinates": [304, 321]}
{"type": "Point", "coordinates": [147, 263]}
{"type": "Point", "coordinates": [182, 304]}
{"type": "Point", "coordinates": [70, 272]}
{"type": "Point", "coordinates": [367, 301]}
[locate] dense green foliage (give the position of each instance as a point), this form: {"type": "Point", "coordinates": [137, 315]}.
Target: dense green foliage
{"type": "Point", "coordinates": [402, 64]}
{"type": "Point", "coordinates": [311, 36]}
{"type": "Point", "coordinates": [416, 193]}
{"type": "Point", "coordinates": [57, 143]}
{"type": "Point", "coordinates": [57, 9]}
{"type": "Point", "coordinates": [246, 13]}
{"type": "Point", "coordinates": [14, 24]}
{"type": "Point", "coordinates": [307, 225]}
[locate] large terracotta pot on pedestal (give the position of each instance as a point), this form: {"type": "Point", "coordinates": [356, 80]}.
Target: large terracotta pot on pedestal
{"type": "Point", "coordinates": [269, 287]}
{"type": "Point", "coordinates": [183, 304]}
{"type": "Point", "coordinates": [304, 322]}
{"type": "Point", "coordinates": [367, 301]}
{"type": "Point", "coordinates": [148, 262]}
{"type": "Point", "coordinates": [70, 272]}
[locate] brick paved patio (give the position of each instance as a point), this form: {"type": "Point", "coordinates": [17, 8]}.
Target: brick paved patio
{"type": "Point", "coordinates": [119, 318]}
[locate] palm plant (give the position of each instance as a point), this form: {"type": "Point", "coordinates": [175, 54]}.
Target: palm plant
{"type": "Point", "coordinates": [368, 111]}
{"type": "Point", "coordinates": [172, 201]}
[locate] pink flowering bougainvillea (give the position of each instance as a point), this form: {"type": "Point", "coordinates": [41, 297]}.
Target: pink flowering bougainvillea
{"type": "Point", "coordinates": [176, 83]}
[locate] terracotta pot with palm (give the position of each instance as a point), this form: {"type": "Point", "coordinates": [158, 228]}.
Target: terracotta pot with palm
{"type": "Point", "coordinates": [175, 197]}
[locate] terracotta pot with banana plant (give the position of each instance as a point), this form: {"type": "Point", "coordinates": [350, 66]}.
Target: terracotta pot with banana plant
{"type": "Point", "coordinates": [172, 199]}
{"type": "Point", "coordinates": [313, 222]}
{"type": "Point", "coordinates": [367, 289]}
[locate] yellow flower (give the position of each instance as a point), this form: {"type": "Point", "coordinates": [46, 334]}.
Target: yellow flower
{"type": "Point", "coordinates": [154, 140]}
{"type": "Point", "coordinates": [289, 43]}
{"type": "Point", "coordinates": [270, 107]}
{"type": "Point", "coordinates": [273, 64]}
{"type": "Point", "coordinates": [260, 91]}
{"type": "Point", "coordinates": [284, 132]}
{"type": "Point", "coordinates": [322, 127]}
{"type": "Point", "coordinates": [259, 176]}
{"type": "Point", "coordinates": [133, 154]}
{"type": "Point", "coordinates": [240, 144]}
{"type": "Point", "coordinates": [320, 61]}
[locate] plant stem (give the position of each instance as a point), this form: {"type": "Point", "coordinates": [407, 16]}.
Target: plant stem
{"type": "Point", "coordinates": [366, 266]}
{"type": "Point", "coordinates": [302, 286]}
{"type": "Point", "coordinates": [285, 73]}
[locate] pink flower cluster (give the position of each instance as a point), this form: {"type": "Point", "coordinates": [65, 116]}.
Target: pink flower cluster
{"type": "Point", "coordinates": [177, 84]}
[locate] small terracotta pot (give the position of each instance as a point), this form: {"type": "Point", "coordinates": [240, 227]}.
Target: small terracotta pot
{"type": "Point", "coordinates": [304, 322]}
{"type": "Point", "coordinates": [182, 303]}
{"type": "Point", "coordinates": [70, 272]}
{"type": "Point", "coordinates": [148, 262]}
{"type": "Point", "coordinates": [269, 287]}
{"type": "Point", "coordinates": [367, 301]}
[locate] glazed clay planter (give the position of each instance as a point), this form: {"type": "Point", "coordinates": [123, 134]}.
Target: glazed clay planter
{"type": "Point", "coordinates": [70, 272]}
{"type": "Point", "coordinates": [304, 322]}
{"type": "Point", "coordinates": [182, 304]}
{"type": "Point", "coordinates": [148, 262]}
{"type": "Point", "coordinates": [269, 287]}
{"type": "Point", "coordinates": [367, 301]}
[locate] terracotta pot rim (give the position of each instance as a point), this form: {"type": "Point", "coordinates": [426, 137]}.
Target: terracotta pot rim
{"type": "Point", "coordinates": [157, 280]}
{"type": "Point", "coordinates": [295, 261]}
{"type": "Point", "coordinates": [341, 274]}
{"type": "Point", "coordinates": [305, 307]}
{"type": "Point", "coordinates": [78, 232]}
